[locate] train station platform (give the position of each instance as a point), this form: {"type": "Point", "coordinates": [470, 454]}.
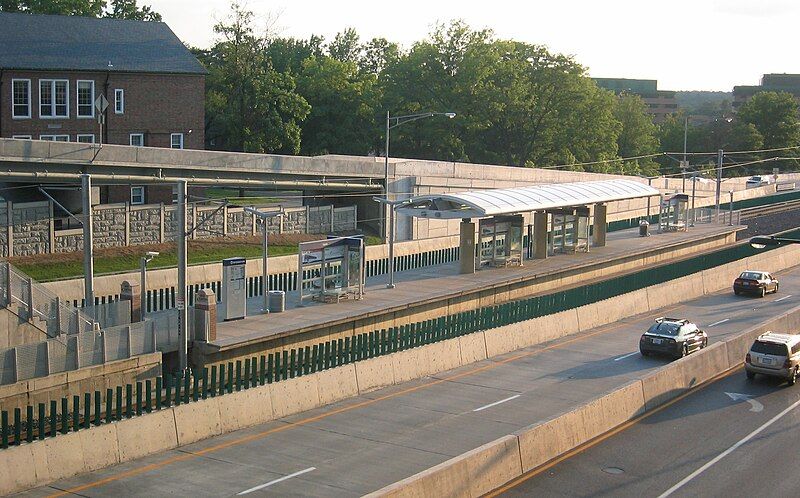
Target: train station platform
{"type": "Point", "coordinates": [436, 291]}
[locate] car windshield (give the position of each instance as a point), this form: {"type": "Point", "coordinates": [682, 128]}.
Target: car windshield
{"type": "Point", "coordinates": [750, 275]}
{"type": "Point", "coordinates": [755, 179]}
{"type": "Point", "coordinates": [769, 348]}
{"type": "Point", "coordinates": [664, 328]}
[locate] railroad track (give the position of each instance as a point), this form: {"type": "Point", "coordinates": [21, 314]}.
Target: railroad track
{"type": "Point", "coordinates": [754, 212]}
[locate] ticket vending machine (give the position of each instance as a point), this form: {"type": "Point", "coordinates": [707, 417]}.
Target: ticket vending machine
{"type": "Point", "coordinates": [234, 288]}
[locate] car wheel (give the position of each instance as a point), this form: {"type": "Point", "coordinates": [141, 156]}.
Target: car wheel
{"type": "Point", "coordinates": [750, 375]}
{"type": "Point", "coordinates": [705, 343]}
{"type": "Point", "coordinates": [645, 353]}
{"type": "Point", "coordinates": [762, 292]}
{"type": "Point", "coordinates": [735, 292]}
{"type": "Point", "coordinates": [684, 351]}
{"type": "Point", "coordinates": [793, 377]}
{"type": "Point", "coordinates": [776, 288]}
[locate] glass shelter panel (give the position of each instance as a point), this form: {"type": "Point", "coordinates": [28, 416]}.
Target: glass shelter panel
{"type": "Point", "coordinates": [500, 241]}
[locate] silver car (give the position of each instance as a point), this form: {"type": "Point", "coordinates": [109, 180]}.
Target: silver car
{"type": "Point", "coordinates": [776, 355]}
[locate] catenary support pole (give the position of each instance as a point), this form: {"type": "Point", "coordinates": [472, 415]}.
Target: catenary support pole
{"type": "Point", "coordinates": [88, 253]}
{"type": "Point", "coordinates": [720, 154]}
{"type": "Point", "coordinates": [180, 298]}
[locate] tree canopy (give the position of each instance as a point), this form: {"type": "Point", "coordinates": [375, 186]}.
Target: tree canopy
{"type": "Point", "coordinates": [118, 9]}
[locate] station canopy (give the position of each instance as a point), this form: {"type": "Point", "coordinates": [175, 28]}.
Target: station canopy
{"type": "Point", "coordinates": [492, 202]}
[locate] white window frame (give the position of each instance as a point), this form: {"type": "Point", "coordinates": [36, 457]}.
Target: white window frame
{"type": "Point", "coordinates": [53, 101]}
{"type": "Point", "coordinates": [78, 103]}
{"type": "Point", "coordinates": [85, 135]}
{"type": "Point", "coordinates": [172, 140]}
{"type": "Point", "coordinates": [30, 102]}
{"type": "Point", "coordinates": [140, 189]}
{"type": "Point", "coordinates": [130, 139]}
{"type": "Point", "coordinates": [54, 138]}
{"type": "Point", "coordinates": [119, 101]}
{"type": "Point", "coordinates": [22, 137]}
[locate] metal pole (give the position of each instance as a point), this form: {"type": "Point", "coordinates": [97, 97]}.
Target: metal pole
{"type": "Point", "coordinates": [649, 183]}
{"type": "Point", "coordinates": [390, 285]}
{"type": "Point", "coordinates": [183, 339]}
{"type": "Point", "coordinates": [88, 253]}
{"type": "Point", "coordinates": [385, 178]}
{"type": "Point", "coordinates": [694, 213]}
{"type": "Point", "coordinates": [143, 288]}
{"type": "Point", "coordinates": [719, 179]}
{"type": "Point", "coordinates": [265, 265]}
{"type": "Point", "coordinates": [684, 164]}
{"type": "Point", "coordinates": [730, 209]}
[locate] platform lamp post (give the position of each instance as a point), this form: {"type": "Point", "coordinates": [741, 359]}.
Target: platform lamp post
{"type": "Point", "coordinates": [149, 255]}
{"type": "Point", "coordinates": [265, 216]}
{"type": "Point", "coordinates": [394, 122]}
{"type": "Point", "coordinates": [392, 205]}
{"type": "Point", "coordinates": [180, 299]}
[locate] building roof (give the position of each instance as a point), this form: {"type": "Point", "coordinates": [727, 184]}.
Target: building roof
{"type": "Point", "coordinates": [492, 202]}
{"type": "Point", "coordinates": [74, 43]}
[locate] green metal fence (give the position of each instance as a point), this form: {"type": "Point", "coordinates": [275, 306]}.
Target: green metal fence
{"type": "Point", "coordinates": [96, 408]}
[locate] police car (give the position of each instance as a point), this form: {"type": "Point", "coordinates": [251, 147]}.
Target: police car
{"type": "Point", "coordinates": [676, 337]}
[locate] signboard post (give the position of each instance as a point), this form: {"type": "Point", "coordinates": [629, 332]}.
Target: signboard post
{"type": "Point", "coordinates": [101, 104]}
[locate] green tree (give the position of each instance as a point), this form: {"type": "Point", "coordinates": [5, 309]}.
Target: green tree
{"type": "Point", "coordinates": [346, 46]}
{"type": "Point", "coordinates": [377, 54]}
{"type": "Point", "coordinates": [119, 9]}
{"type": "Point", "coordinates": [89, 8]}
{"type": "Point", "coordinates": [774, 115]}
{"type": "Point", "coordinates": [251, 107]}
{"type": "Point", "coordinates": [637, 136]}
{"type": "Point", "coordinates": [127, 9]}
{"type": "Point", "coordinates": [343, 107]}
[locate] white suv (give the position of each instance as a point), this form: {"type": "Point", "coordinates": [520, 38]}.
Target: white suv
{"type": "Point", "coordinates": [776, 355]}
{"type": "Point", "coordinates": [757, 181]}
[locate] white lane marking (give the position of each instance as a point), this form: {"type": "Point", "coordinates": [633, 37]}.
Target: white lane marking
{"type": "Point", "coordinates": [717, 323]}
{"type": "Point", "coordinates": [781, 299]}
{"type": "Point", "coordinates": [496, 403]}
{"type": "Point", "coordinates": [276, 481]}
{"type": "Point", "coordinates": [626, 356]}
{"type": "Point", "coordinates": [728, 451]}
{"type": "Point", "coordinates": [755, 406]}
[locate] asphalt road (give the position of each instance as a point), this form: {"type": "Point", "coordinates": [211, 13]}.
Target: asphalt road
{"type": "Point", "coordinates": [731, 438]}
{"type": "Point", "coordinates": [362, 444]}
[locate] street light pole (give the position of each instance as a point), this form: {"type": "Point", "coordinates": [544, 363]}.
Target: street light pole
{"type": "Point", "coordinates": [684, 163]}
{"type": "Point", "coordinates": [694, 213]}
{"type": "Point", "coordinates": [398, 120]}
{"type": "Point", "coordinates": [720, 154]}
{"type": "Point", "coordinates": [392, 205]}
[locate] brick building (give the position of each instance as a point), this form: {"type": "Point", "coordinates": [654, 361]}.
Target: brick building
{"type": "Point", "coordinates": [660, 103]}
{"type": "Point", "coordinates": [52, 68]}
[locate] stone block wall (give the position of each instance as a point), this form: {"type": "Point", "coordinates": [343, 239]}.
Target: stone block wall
{"type": "Point", "coordinates": [31, 227]}
{"type": "Point", "coordinates": [145, 224]}
{"type": "Point", "coordinates": [110, 225]}
{"type": "Point", "coordinates": [116, 225]}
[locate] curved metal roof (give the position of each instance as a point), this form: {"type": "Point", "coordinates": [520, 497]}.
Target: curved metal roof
{"type": "Point", "coordinates": [491, 202]}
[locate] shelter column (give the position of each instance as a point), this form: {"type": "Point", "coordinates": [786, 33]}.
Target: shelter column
{"type": "Point", "coordinates": [540, 235]}
{"type": "Point", "coordinates": [600, 225]}
{"type": "Point", "coordinates": [467, 246]}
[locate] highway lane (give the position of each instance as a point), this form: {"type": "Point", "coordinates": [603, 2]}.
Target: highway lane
{"type": "Point", "coordinates": [361, 444]}
{"type": "Point", "coordinates": [710, 443]}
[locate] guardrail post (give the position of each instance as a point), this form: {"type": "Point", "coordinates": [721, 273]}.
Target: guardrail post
{"type": "Point", "coordinates": [29, 286]}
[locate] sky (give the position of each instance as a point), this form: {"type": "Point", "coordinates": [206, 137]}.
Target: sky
{"type": "Point", "coordinates": [684, 44]}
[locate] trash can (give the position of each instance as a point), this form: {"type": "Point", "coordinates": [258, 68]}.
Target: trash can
{"type": "Point", "coordinates": [277, 301]}
{"type": "Point", "coordinates": [644, 228]}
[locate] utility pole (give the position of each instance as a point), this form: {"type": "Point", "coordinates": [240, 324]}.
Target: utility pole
{"type": "Point", "coordinates": [88, 253]}
{"type": "Point", "coordinates": [684, 163]}
{"type": "Point", "coordinates": [180, 298]}
{"type": "Point", "coordinates": [719, 180]}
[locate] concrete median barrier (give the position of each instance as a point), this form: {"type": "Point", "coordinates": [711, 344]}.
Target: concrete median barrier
{"type": "Point", "coordinates": [18, 469]}
{"type": "Point", "coordinates": [141, 436]}
{"type": "Point", "coordinates": [245, 408]}
{"type": "Point", "coordinates": [197, 421]}
{"type": "Point", "coordinates": [337, 384]}
{"type": "Point", "coordinates": [471, 474]}
{"type": "Point", "coordinates": [375, 373]}
{"type": "Point", "coordinates": [294, 395]}
{"type": "Point", "coordinates": [472, 347]}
